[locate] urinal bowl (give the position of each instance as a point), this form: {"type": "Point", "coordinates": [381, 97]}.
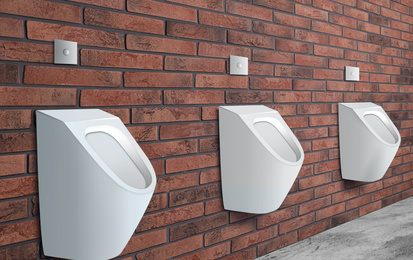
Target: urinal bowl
{"type": "Point", "coordinates": [89, 205]}
{"type": "Point", "coordinates": [260, 158]}
{"type": "Point", "coordinates": [368, 141]}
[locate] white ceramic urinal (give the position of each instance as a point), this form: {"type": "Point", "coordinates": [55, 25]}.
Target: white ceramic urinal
{"type": "Point", "coordinates": [95, 183]}
{"type": "Point", "coordinates": [368, 141]}
{"type": "Point", "coordinates": [260, 158]}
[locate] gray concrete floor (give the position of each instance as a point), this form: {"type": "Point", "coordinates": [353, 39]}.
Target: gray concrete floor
{"type": "Point", "coordinates": [384, 234]}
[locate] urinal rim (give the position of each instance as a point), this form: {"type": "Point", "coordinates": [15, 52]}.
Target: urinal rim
{"type": "Point", "coordinates": [285, 130]}
{"type": "Point", "coordinates": [381, 114]}
{"type": "Point", "coordinates": [102, 128]}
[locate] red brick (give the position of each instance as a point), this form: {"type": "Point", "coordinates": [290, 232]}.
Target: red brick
{"type": "Point", "coordinates": [325, 144]}
{"type": "Point", "coordinates": [277, 243]}
{"type": "Point", "coordinates": [194, 194]}
{"type": "Point", "coordinates": [370, 208]}
{"type": "Point", "coordinates": [195, 32]}
{"type": "Point", "coordinates": [344, 43]}
{"type": "Point", "coordinates": [27, 251]}
{"type": "Point", "coordinates": [12, 210]}
{"type": "Point", "coordinates": [314, 205]}
{"type": "Point", "coordinates": [245, 241]}
{"type": "Point", "coordinates": [42, 9]}
{"type": "Point", "coordinates": [315, 157]}
{"type": "Point", "coordinates": [144, 133]}
{"type": "Point", "coordinates": [328, 51]}
{"type": "Point", "coordinates": [122, 113]}
{"type": "Point", "coordinates": [193, 97]}
{"type": "Point", "coordinates": [340, 86]}
{"type": "Point", "coordinates": [380, 78]}
{"type": "Point", "coordinates": [162, 9]}
{"type": "Point", "coordinates": [250, 40]}
{"type": "Point", "coordinates": [272, 56]}
{"type": "Point", "coordinates": [399, 44]}
{"type": "Point", "coordinates": [355, 55]}
{"type": "Point", "coordinates": [302, 84]}
{"type": "Point", "coordinates": [368, 7]}
{"type": "Point", "coordinates": [123, 21]}
{"type": "Point", "coordinates": [158, 202]}
{"type": "Point", "coordinates": [356, 97]}
{"type": "Point", "coordinates": [328, 6]}
{"type": "Point", "coordinates": [12, 164]}
{"type": "Point", "coordinates": [326, 28]}
{"type": "Point", "coordinates": [273, 30]}
{"type": "Point", "coordinates": [292, 71]}
{"type": "Point", "coordinates": [292, 97]}
{"type": "Point", "coordinates": [249, 11]}
{"type": "Point", "coordinates": [390, 33]}
{"type": "Point", "coordinates": [354, 34]}
{"type": "Point", "coordinates": [328, 74]}
{"type": "Point", "coordinates": [345, 217]}
{"type": "Point", "coordinates": [30, 96]}
{"type": "Point", "coordinates": [188, 130]}
{"type": "Point", "coordinates": [400, 8]}
{"type": "Point", "coordinates": [327, 97]}
{"type": "Point", "coordinates": [297, 198]}
{"type": "Point", "coordinates": [310, 12]}
{"type": "Point", "coordinates": [224, 21]}
{"type": "Point", "coordinates": [143, 241]}
{"type": "Point", "coordinates": [216, 5]}
{"type": "Point", "coordinates": [19, 232]}
{"type": "Point", "coordinates": [209, 113]}
{"type": "Point", "coordinates": [191, 162]}
{"type": "Point", "coordinates": [15, 119]}
{"type": "Point", "coordinates": [209, 176]}
{"type": "Point", "coordinates": [158, 44]}
{"type": "Point", "coordinates": [400, 26]}
{"type": "Point", "coordinates": [67, 76]}
{"type": "Point", "coordinates": [357, 202]}
{"type": "Point", "coordinates": [16, 187]}
{"type": "Point", "coordinates": [314, 181]}
{"type": "Point", "coordinates": [114, 4]}
{"type": "Point", "coordinates": [222, 51]}
{"type": "Point", "coordinates": [194, 64]}
{"type": "Point", "coordinates": [158, 166]}
{"type": "Point", "coordinates": [343, 20]}
{"type": "Point", "coordinates": [100, 58]}
{"type": "Point", "coordinates": [213, 206]}
{"type": "Point", "coordinates": [311, 61]}
{"type": "Point", "coordinates": [345, 195]}
{"type": "Point", "coordinates": [213, 252]}
{"type": "Point", "coordinates": [229, 232]}
{"type": "Point", "coordinates": [165, 114]}
{"type": "Point", "coordinates": [305, 109]}
{"type": "Point", "coordinates": [260, 69]}
{"type": "Point", "coordinates": [248, 97]}
{"type": "Point", "coordinates": [281, 5]}
{"type": "Point", "coordinates": [368, 27]}
{"type": "Point", "coordinates": [160, 150]}
{"type": "Point", "coordinates": [220, 81]}
{"type": "Point", "coordinates": [9, 73]}
{"type": "Point", "coordinates": [172, 249]}
{"type": "Point", "coordinates": [171, 216]}
{"type": "Point", "coordinates": [10, 27]}
{"type": "Point", "coordinates": [270, 83]}
{"type": "Point", "coordinates": [326, 166]}
{"type": "Point", "coordinates": [21, 51]}
{"type": "Point", "coordinates": [312, 37]}
{"type": "Point", "coordinates": [292, 46]}
{"type": "Point", "coordinates": [157, 80]}
{"type": "Point", "coordinates": [291, 20]}
{"type": "Point", "coordinates": [102, 97]}
{"type": "Point", "coordinates": [313, 229]}
{"type": "Point", "coordinates": [284, 110]}
{"type": "Point", "coordinates": [330, 211]}
{"type": "Point", "coordinates": [297, 122]}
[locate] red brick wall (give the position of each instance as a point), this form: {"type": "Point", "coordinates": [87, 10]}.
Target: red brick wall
{"type": "Point", "coordinates": [161, 66]}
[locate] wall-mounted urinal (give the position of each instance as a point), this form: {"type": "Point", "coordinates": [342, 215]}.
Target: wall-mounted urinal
{"type": "Point", "coordinates": [95, 183]}
{"type": "Point", "coordinates": [260, 158]}
{"type": "Point", "coordinates": [368, 141]}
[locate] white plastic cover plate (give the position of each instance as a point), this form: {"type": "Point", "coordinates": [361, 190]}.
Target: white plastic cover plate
{"type": "Point", "coordinates": [352, 73]}
{"type": "Point", "coordinates": [65, 52]}
{"type": "Point", "coordinates": [238, 65]}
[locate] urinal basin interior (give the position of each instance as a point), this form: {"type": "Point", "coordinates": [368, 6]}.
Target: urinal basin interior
{"type": "Point", "coordinates": [278, 139]}
{"type": "Point", "coordinates": [381, 127]}
{"type": "Point", "coordinates": [113, 149]}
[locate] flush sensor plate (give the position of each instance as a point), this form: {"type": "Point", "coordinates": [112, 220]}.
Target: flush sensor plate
{"type": "Point", "coordinates": [65, 52]}
{"type": "Point", "coordinates": [352, 73]}
{"type": "Point", "coordinates": [238, 65]}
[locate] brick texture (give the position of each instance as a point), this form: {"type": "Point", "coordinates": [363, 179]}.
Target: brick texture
{"type": "Point", "coordinates": [162, 67]}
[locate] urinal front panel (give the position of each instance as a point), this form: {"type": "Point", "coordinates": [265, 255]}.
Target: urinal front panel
{"type": "Point", "coordinates": [380, 128]}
